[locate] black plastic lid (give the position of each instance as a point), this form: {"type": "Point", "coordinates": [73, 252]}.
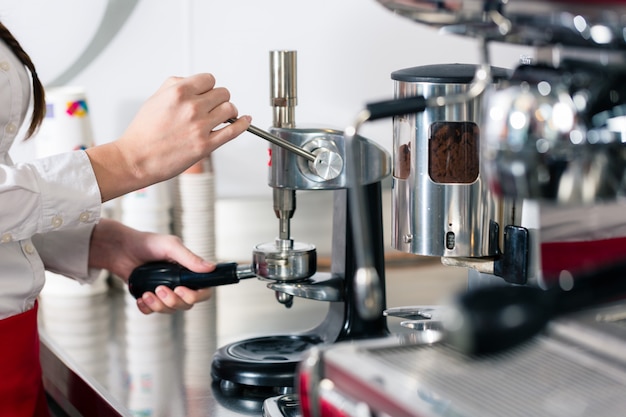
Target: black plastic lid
{"type": "Point", "coordinates": [445, 73]}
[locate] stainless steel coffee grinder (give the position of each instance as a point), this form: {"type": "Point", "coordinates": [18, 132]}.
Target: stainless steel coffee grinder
{"type": "Point", "coordinates": [266, 366]}
{"type": "Point", "coordinates": [442, 204]}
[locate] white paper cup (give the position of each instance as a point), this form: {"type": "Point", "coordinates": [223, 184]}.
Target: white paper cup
{"type": "Point", "coordinates": [67, 125]}
{"type": "Point", "coordinates": [154, 197]}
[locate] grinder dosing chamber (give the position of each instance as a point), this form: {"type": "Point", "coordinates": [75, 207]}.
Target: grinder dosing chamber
{"type": "Point", "coordinates": [441, 203]}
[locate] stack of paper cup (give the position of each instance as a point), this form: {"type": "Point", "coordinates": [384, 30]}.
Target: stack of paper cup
{"type": "Point", "coordinates": [78, 318]}
{"type": "Point", "coordinates": [67, 125]}
{"type": "Point", "coordinates": [85, 336]}
{"type": "Point", "coordinates": [149, 346]}
{"type": "Point", "coordinates": [194, 209]}
{"type": "Point", "coordinates": [194, 223]}
{"type": "Point", "coordinates": [148, 209]}
{"type": "Point", "coordinates": [150, 358]}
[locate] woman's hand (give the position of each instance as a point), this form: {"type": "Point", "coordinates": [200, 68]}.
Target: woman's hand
{"type": "Point", "coordinates": [181, 124]}
{"type": "Point", "coordinates": [120, 249]}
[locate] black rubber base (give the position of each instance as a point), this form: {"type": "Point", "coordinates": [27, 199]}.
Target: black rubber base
{"type": "Point", "coordinates": [268, 361]}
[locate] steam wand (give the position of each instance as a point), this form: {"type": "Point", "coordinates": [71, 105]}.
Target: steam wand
{"type": "Point", "coordinates": [494, 318]}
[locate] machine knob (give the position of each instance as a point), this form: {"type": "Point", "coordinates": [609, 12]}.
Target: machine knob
{"type": "Point", "coordinates": [327, 165]}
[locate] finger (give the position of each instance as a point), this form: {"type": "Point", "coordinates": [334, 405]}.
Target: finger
{"type": "Point", "coordinates": [141, 305]}
{"type": "Point", "coordinates": [170, 81]}
{"type": "Point", "coordinates": [242, 123]}
{"type": "Point", "coordinates": [200, 83]}
{"type": "Point", "coordinates": [222, 135]}
{"type": "Point", "coordinates": [191, 297]}
{"type": "Point", "coordinates": [182, 255]}
{"type": "Point", "coordinates": [170, 300]}
{"type": "Point", "coordinates": [216, 103]}
{"type": "Point", "coordinates": [154, 304]}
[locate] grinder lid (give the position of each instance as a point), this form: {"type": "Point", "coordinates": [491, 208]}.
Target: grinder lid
{"type": "Point", "coordinates": [445, 73]}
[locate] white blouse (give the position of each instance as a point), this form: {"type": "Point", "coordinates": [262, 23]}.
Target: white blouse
{"type": "Point", "coordinates": [48, 207]}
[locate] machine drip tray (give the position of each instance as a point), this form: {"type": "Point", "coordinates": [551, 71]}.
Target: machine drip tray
{"type": "Point", "coordinates": [267, 362]}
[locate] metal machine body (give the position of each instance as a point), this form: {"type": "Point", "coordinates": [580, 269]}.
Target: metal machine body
{"type": "Point", "coordinates": [577, 368]}
{"type": "Point", "coordinates": [442, 205]}
{"type": "Point", "coordinates": [552, 135]}
{"type": "Point", "coordinates": [265, 366]}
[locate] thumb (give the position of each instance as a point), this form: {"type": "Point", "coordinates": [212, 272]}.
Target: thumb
{"type": "Point", "coordinates": [185, 257]}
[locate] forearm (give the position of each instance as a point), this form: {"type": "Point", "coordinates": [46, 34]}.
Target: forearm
{"type": "Point", "coordinates": [115, 173]}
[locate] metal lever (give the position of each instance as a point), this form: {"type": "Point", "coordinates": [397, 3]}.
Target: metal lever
{"type": "Point", "coordinates": [149, 276]}
{"type": "Point", "coordinates": [324, 163]}
{"type": "Point", "coordinates": [279, 142]}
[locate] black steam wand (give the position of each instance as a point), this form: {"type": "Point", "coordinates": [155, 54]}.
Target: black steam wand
{"type": "Point", "coordinates": [491, 319]}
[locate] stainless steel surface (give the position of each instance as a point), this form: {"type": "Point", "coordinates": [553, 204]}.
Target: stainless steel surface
{"type": "Point", "coordinates": [289, 172]}
{"type": "Point", "coordinates": [283, 99]}
{"type": "Point", "coordinates": [427, 320]}
{"type": "Point", "coordinates": [181, 385]}
{"type": "Point", "coordinates": [284, 204]}
{"type": "Point", "coordinates": [535, 22]}
{"type": "Point", "coordinates": [367, 292]}
{"type": "Point", "coordinates": [279, 142]}
{"type": "Point", "coordinates": [442, 217]}
{"type": "Point", "coordinates": [284, 87]}
{"type": "Point", "coordinates": [577, 367]}
{"type": "Point", "coordinates": [245, 271]}
{"type": "Point", "coordinates": [282, 406]}
{"type": "Point", "coordinates": [547, 138]}
{"type": "Point", "coordinates": [295, 262]}
{"type": "Point", "coordinates": [321, 287]}
{"type": "Point", "coordinates": [324, 161]}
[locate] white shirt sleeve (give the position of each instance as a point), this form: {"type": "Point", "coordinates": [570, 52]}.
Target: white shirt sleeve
{"type": "Point", "coordinates": [66, 252]}
{"type": "Point", "coordinates": [48, 194]}
{"type": "Point", "coordinates": [56, 202]}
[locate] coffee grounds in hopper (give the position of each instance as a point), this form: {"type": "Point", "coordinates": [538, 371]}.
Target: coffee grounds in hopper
{"type": "Point", "coordinates": [402, 166]}
{"type": "Point", "coordinates": [453, 152]}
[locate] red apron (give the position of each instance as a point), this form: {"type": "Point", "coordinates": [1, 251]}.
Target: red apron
{"type": "Point", "coordinates": [21, 385]}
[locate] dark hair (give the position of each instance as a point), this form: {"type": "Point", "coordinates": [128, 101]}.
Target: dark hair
{"type": "Point", "coordinates": [39, 105]}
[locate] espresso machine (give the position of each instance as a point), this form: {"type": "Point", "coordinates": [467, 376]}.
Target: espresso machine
{"type": "Point", "coordinates": [247, 372]}
{"type": "Point", "coordinates": [542, 332]}
{"type": "Point", "coordinates": [313, 159]}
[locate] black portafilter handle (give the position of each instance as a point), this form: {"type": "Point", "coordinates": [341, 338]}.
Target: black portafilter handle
{"type": "Point", "coordinates": [495, 318]}
{"type": "Point", "coordinates": [149, 276]}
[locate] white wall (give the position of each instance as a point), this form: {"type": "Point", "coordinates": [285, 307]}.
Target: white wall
{"type": "Point", "coordinates": [346, 52]}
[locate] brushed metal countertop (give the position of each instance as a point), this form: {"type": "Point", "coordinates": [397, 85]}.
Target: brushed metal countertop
{"type": "Point", "coordinates": [182, 385]}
